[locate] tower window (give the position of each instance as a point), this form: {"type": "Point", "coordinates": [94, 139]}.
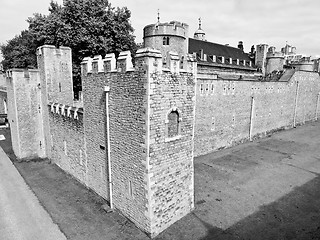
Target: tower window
{"type": "Point", "coordinates": [173, 124]}
{"type": "Point", "coordinates": [181, 62]}
{"type": "Point", "coordinates": [166, 41]}
{"type": "Point", "coordinates": [164, 62]}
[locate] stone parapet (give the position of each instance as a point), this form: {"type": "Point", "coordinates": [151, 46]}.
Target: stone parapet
{"type": "Point", "coordinates": [170, 62]}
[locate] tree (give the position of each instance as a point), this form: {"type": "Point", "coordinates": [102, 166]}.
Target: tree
{"type": "Point", "coordinates": [89, 27]}
{"type": "Point", "coordinates": [19, 52]}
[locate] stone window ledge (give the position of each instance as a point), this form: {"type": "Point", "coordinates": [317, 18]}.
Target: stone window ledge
{"type": "Point", "coordinates": [170, 139]}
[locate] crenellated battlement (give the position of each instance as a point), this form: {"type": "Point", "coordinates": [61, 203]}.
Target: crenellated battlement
{"type": "Point", "coordinates": [154, 59]}
{"type": "Point", "coordinates": [18, 71]}
{"type": "Point", "coordinates": [173, 28]}
{"type": "Point", "coordinates": [65, 110]}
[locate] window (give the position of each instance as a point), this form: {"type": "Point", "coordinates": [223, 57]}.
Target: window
{"type": "Point", "coordinates": [212, 58]}
{"type": "Point", "coordinates": [165, 41]}
{"type": "Point", "coordinates": [181, 62]}
{"type": "Point", "coordinates": [201, 88]}
{"type": "Point", "coordinates": [173, 124]}
{"type": "Point", "coordinates": [224, 89]}
{"type": "Point", "coordinates": [233, 88]}
{"type": "Point", "coordinates": [212, 88]}
{"type": "Point", "coordinates": [164, 62]}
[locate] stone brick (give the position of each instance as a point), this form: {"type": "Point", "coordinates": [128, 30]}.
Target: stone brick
{"type": "Point", "coordinates": [25, 113]}
{"type": "Point", "coordinates": [67, 143]}
{"type": "Point", "coordinates": [274, 108]}
{"type": "Point", "coordinates": [151, 152]}
{"type": "Point", "coordinates": [139, 101]}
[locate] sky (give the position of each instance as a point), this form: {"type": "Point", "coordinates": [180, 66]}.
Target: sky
{"type": "Point", "coordinates": [273, 22]}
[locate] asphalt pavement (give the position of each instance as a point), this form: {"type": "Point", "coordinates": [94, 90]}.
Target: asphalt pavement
{"type": "Point", "coordinates": [21, 215]}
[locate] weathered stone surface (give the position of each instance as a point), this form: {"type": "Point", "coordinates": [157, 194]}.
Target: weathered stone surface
{"type": "Point", "coordinates": [160, 116]}
{"type": "Point", "coordinates": [25, 113]}
{"type": "Point", "coordinates": [223, 109]}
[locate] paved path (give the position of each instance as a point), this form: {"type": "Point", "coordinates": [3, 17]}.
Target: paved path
{"type": "Point", "coordinates": [21, 215]}
{"type": "Point", "coordinates": [236, 182]}
{"type": "Point", "coordinates": [267, 189]}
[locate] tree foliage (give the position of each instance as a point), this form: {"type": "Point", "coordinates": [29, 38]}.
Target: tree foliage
{"type": "Point", "coordinates": [19, 52]}
{"type": "Point", "coordinates": [89, 27]}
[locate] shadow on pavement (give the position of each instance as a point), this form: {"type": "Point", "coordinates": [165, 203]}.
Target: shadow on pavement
{"type": "Point", "coordinates": [294, 216]}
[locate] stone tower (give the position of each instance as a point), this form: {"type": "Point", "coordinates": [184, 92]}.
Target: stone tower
{"type": "Point", "coordinates": [150, 110]}
{"type": "Point", "coordinates": [172, 36]}
{"type": "Point", "coordinates": [56, 84]}
{"type": "Point", "coordinates": [25, 113]}
{"type": "Point", "coordinates": [55, 66]}
{"type": "Point", "coordinates": [261, 54]}
{"type": "Point", "coordinates": [274, 60]}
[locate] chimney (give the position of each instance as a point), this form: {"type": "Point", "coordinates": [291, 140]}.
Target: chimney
{"type": "Point", "coordinates": [240, 45]}
{"type": "Point", "coordinates": [252, 49]}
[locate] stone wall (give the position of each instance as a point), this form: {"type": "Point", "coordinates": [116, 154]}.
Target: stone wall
{"type": "Point", "coordinates": [67, 140]}
{"type": "Point", "coordinates": [56, 73]}
{"type": "Point", "coordinates": [25, 113]}
{"type": "Point", "coordinates": [55, 68]}
{"type": "Point", "coordinates": [127, 99]}
{"type": "Point", "coordinates": [152, 175]}
{"type": "Point", "coordinates": [95, 131]}
{"type": "Point", "coordinates": [224, 108]}
{"type": "Point", "coordinates": [3, 94]}
{"type": "Point", "coordinates": [159, 117]}
{"type": "Point", "coordinates": [3, 82]}
{"type": "Point", "coordinates": [3, 101]}
{"type": "Point", "coordinates": [226, 71]}
{"type": "Point", "coordinates": [170, 157]}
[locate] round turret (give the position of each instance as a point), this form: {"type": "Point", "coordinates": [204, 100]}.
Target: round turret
{"type": "Point", "coordinates": [172, 36]}
{"type": "Point", "coordinates": [275, 61]}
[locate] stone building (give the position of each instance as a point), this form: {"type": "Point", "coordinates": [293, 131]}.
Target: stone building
{"type": "Point", "coordinates": [142, 122]}
{"type": "Point", "coordinates": [231, 85]}
{"type": "Point", "coordinates": [221, 59]}
{"type": "Point", "coordinates": [131, 142]}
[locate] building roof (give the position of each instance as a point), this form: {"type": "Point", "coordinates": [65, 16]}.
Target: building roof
{"type": "Point", "coordinates": [199, 31]}
{"type": "Point", "coordinates": [216, 49]}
